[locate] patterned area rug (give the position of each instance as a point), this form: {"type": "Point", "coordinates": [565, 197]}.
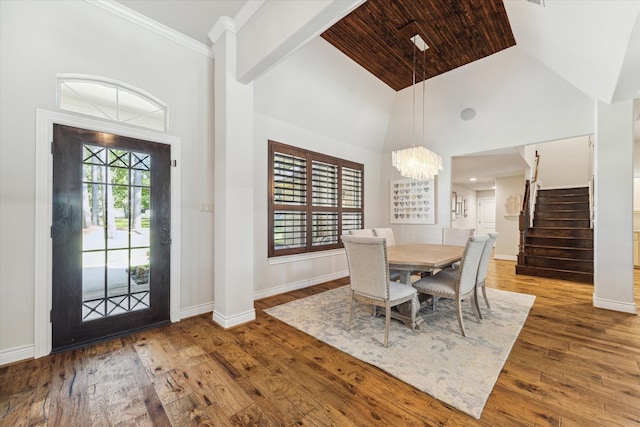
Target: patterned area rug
{"type": "Point", "coordinates": [436, 359]}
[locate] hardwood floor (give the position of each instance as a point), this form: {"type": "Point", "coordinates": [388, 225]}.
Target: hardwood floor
{"type": "Point", "coordinates": [572, 365]}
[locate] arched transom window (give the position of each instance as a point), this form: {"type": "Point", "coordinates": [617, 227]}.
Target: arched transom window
{"type": "Point", "coordinates": [108, 99]}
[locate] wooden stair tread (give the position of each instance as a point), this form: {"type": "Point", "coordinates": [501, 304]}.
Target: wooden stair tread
{"type": "Point", "coordinates": [576, 276]}
{"type": "Point", "coordinates": [585, 273]}
{"type": "Point", "coordinates": [560, 243]}
{"type": "Point", "coordinates": [558, 247]}
{"type": "Point", "coordinates": [560, 228]}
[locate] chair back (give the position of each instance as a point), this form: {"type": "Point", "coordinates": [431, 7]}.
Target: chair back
{"type": "Point", "coordinates": [368, 266]}
{"type": "Point", "coordinates": [469, 264]}
{"type": "Point", "coordinates": [456, 236]}
{"type": "Point", "coordinates": [387, 233]}
{"type": "Point", "coordinates": [486, 257]}
{"type": "Point", "coordinates": [365, 232]}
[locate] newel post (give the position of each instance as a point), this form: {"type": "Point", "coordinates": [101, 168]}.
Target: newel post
{"type": "Point", "coordinates": [523, 222]}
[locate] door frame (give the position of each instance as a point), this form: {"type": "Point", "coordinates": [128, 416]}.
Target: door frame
{"type": "Point", "coordinates": [43, 213]}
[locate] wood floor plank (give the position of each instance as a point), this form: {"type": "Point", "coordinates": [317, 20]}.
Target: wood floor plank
{"type": "Point", "coordinates": [172, 385]}
{"type": "Point", "coordinates": [572, 365]}
{"type": "Point", "coordinates": [214, 384]}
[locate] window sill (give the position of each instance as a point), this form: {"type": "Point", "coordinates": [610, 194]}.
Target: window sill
{"type": "Point", "coordinates": [303, 257]}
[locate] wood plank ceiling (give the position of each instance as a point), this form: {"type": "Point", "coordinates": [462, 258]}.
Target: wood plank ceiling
{"type": "Point", "coordinates": [377, 36]}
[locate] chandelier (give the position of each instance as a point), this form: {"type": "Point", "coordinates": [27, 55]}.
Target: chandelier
{"type": "Point", "coordinates": [417, 162]}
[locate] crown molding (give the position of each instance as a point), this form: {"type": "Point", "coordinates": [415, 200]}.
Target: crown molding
{"type": "Point", "coordinates": [223, 25]}
{"type": "Point", "coordinates": [234, 25]}
{"type": "Point", "coordinates": [151, 25]}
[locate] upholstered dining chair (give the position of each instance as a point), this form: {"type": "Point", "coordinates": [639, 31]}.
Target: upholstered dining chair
{"type": "Point", "coordinates": [457, 284]}
{"type": "Point", "coordinates": [456, 237]}
{"type": "Point", "coordinates": [482, 270]}
{"type": "Point", "coordinates": [364, 232]}
{"type": "Point", "coordinates": [369, 277]}
{"type": "Point", "coordinates": [387, 233]}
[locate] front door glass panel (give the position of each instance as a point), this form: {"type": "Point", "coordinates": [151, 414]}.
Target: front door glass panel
{"type": "Point", "coordinates": [116, 242]}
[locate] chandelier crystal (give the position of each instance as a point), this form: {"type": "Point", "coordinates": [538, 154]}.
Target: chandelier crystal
{"type": "Point", "coordinates": [417, 163]}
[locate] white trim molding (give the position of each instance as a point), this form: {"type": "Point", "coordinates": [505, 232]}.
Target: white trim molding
{"type": "Point", "coordinates": [306, 256]}
{"type": "Point", "coordinates": [223, 25]}
{"type": "Point", "coordinates": [299, 285]}
{"type": "Point", "coordinates": [197, 310]}
{"type": "Point", "coordinates": [239, 319]}
{"type": "Point", "coordinates": [614, 305]}
{"type": "Point", "coordinates": [43, 212]}
{"type": "Point", "coordinates": [506, 257]}
{"type": "Point", "coordinates": [151, 25]}
{"type": "Point", "coordinates": [16, 354]}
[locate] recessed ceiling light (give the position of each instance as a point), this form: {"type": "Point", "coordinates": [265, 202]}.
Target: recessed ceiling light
{"type": "Point", "coordinates": [472, 179]}
{"type": "Point", "coordinates": [467, 114]}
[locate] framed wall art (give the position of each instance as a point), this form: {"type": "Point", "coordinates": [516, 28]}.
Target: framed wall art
{"type": "Point", "coordinates": [412, 202]}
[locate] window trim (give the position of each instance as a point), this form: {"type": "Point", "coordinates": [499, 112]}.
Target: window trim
{"type": "Point", "coordinates": [309, 156]}
{"type": "Point", "coordinates": [118, 86]}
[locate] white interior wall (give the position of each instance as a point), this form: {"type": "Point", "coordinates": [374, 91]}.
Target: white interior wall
{"type": "Point", "coordinates": [39, 40]}
{"type": "Point", "coordinates": [319, 89]}
{"type": "Point", "coordinates": [565, 163]}
{"type": "Point", "coordinates": [317, 99]}
{"type": "Point", "coordinates": [518, 101]}
{"type": "Point", "coordinates": [281, 274]}
{"type": "Point", "coordinates": [613, 219]}
{"type": "Point", "coordinates": [470, 197]}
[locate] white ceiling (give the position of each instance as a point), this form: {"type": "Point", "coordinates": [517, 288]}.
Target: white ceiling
{"type": "Point", "coordinates": [193, 18]}
{"type": "Point", "coordinates": [595, 45]}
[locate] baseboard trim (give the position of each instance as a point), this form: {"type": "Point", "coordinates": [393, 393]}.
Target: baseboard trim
{"type": "Point", "coordinates": [506, 257]}
{"type": "Point", "coordinates": [235, 320]}
{"type": "Point", "coordinates": [197, 310]}
{"type": "Point", "coordinates": [17, 354]}
{"type": "Point", "coordinates": [614, 305]}
{"type": "Point", "coordinates": [299, 285]}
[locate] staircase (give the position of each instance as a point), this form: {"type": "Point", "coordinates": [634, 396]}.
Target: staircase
{"type": "Point", "coordinates": [560, 243]}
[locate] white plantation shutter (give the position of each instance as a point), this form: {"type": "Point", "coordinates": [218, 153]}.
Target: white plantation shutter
{"type": "Point", "coordinates": [313, 200]}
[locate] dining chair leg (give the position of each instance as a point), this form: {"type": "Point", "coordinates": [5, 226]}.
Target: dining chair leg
{"type": "Point", "coordinates": [387, 321]}
{"type": "Point", "coordinates": [476, 302]}
{"type": "Point", "coordinates": [459, 314]}
{"type": "Point", "coordinates": [350, 312]}
{"type": "Point", "coordinates": [484, 295]}
{"type": "Point", "coordinates": [415, 307]}
{"type": "Point", "coordinates": [476, 308]}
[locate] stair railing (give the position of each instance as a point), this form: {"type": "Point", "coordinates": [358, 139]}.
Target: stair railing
{"type": "Point", "coordinates": [528, 206]}
{"type": "Point", "coordinates": [524, 220]}
{"type": "Point", "coordinates": [533, 192]}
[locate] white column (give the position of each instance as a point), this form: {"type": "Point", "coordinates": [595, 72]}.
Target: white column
{"type": "Point", "coordinates": [233, 199]}
{"type": "Point", "coordinates": [613, 227]}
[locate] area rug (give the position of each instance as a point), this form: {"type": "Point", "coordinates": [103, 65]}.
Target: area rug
{"type": "Point", "coordinates": [436, 358]}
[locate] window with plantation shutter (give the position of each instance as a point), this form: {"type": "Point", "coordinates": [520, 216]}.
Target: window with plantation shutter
{"type": "Point", "coordinates": [313, 199]}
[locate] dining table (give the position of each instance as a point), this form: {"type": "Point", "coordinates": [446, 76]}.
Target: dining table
{"type": "Point", "coordinates": [419, 258]}
{"type": "Point", "coordinates": [423, 257]}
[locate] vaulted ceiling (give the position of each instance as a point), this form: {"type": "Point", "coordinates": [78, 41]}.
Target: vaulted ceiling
{"type": "Point", "coordinates": [377, 35]}
{"type": "Point", "coordinates": [594, 45]}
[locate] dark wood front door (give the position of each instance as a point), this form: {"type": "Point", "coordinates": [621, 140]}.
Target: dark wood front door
{"type": "Point", "coordinates": [110, 235]}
